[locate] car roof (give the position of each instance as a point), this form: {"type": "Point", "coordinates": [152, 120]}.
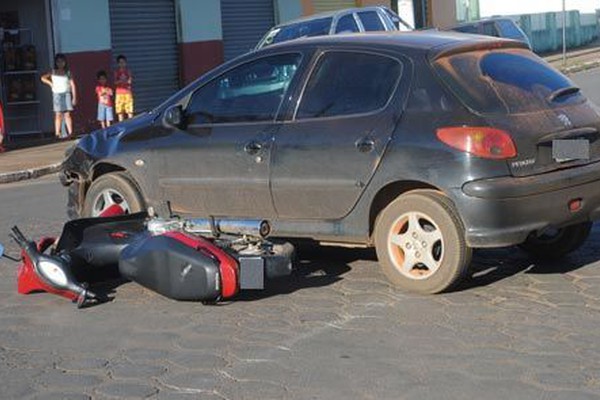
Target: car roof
{"type": "Point", "coordinates": [435, 43]}
{"type": "Point", "coordinates": [327, 14]}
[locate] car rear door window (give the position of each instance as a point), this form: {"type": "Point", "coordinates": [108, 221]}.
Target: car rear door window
{"type": "Point", "coordinates": [316, 27]}
{"type": "Point", "coordinates": [371, 21]}
{"type": "Point", "coordinates": [346, 24]}
{"type": "Point", "coordinates": [504, 81]}
{"type": "Point", "coordinates": [489, 29]}
{"type": "Point", "coordinates": [345, 83]}
{"type": "Point", "coordinates": [248, 93]}
{"type": "Point", "coordinates": [466, 29]}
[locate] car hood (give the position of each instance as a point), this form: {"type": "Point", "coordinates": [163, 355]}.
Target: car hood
{"type": "Point", "coordinates": [104, 142]}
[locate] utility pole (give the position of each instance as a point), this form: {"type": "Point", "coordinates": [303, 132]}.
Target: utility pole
{"type": "Point", "coordinates": [564, 31]}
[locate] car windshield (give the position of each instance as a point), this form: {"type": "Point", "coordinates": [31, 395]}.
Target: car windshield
{"type": "Point", "coordinates": [504, 81]}
{"type": "Point", "coordinates": [315, 27]}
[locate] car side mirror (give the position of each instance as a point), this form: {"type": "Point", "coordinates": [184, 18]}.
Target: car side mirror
{"type": "Point", "coordinates": [174, 117]}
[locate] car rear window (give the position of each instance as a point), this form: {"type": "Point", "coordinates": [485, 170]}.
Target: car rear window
{"type": "Point", "coordinates": [509, 81]}
{"type": "Point", "coordinates": [510, 30]}
{"type": "Point", "coordinates": [345, 83]}
{"type": "Point", "coordinates": [317, 27]}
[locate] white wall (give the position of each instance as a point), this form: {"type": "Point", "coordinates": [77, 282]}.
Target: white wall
{"type": "Point", "coordinates": [511, 7]}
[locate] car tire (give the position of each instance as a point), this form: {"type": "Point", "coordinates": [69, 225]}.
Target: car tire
{"type": "Point", "coordinates": [113, 188]}
{"type": "Point", "coordinates": [559, 243]}
{"type": "Point", "coordinates": [420, 243]}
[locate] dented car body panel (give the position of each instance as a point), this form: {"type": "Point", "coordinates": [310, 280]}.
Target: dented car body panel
{"type": "Point", "coordinates": [327, 175]}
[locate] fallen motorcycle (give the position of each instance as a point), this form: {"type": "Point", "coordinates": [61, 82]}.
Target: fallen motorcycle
{"type": "Point", "coordinates": [204, 260]}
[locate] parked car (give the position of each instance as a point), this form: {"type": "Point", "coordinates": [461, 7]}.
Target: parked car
{"type": "Point", "coordinates": [424, 145]}
{"type": "Point", "coordinates": [497, 27]}
{"type": "Point", "coordinates": [350, 20]}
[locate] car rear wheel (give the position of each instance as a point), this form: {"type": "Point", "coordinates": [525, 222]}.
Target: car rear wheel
{"type": "Point", "coordinates": [557, 243]}
{"type": "Point", "coordinates": [110, 189]}
{"type": "Point", "coordinates": [420, 243]}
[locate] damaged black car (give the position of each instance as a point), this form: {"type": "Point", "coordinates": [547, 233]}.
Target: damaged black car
{"type": "Point", "coordinates": [424, 145]}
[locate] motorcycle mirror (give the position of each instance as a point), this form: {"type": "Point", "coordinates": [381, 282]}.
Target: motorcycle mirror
{"type": "Point", "coordinates": [6, 255]}
{"type": "Point", "coordinates": [174, 117]}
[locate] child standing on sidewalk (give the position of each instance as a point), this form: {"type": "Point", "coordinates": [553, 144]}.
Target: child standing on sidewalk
{"type": "Point", "coordinates": [64, 94]}
{"type": "Point", "coordinates": [123, 80]}
{"type": "Point", "coordinates": [105, 100]}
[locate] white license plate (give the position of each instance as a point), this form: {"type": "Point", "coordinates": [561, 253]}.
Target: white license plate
{"type": "Point", "coordinates": [570, 149]}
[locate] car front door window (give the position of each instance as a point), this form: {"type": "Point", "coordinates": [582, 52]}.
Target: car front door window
{"type": "Point", "coordinates": [251, 92]}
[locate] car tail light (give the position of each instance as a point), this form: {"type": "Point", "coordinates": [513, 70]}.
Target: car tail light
{"type": "Point", "coordinates": [480, 141]}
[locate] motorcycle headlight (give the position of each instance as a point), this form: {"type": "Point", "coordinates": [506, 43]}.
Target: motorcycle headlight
{"type": "Point", "coordinates": [53, 273]}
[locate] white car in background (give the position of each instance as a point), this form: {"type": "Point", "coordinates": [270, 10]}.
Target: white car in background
{"type": "Point", "coordinates": [350, 20]}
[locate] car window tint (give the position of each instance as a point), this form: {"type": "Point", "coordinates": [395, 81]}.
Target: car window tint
{"type": "Point", "coordinates": [489, 29]}
{"type": "Point", "coordinates": [504, 81]}
{"type": "Point", "coordinates": [346, 24]}
{"type": "Point", "coordinates": [466, 29]}
{"type": "Point", "coordinates": [346, 83]}
{"type": "Point", "coordinates": [317, 27]}
{"type": "Point", "coordinates": [250, 92]}
{"type": "Point", "coordinates": [371, 21]}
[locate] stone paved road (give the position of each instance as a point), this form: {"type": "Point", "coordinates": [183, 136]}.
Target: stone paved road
{"type": "Point", "coordinates": [516, 330]}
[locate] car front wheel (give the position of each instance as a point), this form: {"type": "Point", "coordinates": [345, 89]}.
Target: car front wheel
{"type": "Point", "coordinates": [110, 189]}
{"type": "Point", "coordinates": [420, 243]}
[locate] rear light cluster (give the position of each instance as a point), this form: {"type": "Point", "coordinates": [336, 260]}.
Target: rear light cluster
{"type": "Point", "coordinates": [482, 142]}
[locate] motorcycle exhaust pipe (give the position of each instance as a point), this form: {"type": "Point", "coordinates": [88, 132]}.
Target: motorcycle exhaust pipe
{"type": "Point", "coordinates": [238, 227]}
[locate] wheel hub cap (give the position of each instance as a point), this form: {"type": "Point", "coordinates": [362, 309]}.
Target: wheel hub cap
{"type": "Point", "coordinates": [415, 244]}
{"type": "Point", "coordinates": [107, 198]}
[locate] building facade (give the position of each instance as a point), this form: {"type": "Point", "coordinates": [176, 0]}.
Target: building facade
{"type": "Point", "coordinates": [168, 43]}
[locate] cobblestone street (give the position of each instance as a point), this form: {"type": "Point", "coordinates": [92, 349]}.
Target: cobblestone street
{"type": "Point", "coordinates": [336, 331]}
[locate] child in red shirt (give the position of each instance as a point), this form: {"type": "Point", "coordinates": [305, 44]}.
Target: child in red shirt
{"type": "Point", "coordinates": [123, 80]}
{"type": "Point", "coordinates": [105, 100]}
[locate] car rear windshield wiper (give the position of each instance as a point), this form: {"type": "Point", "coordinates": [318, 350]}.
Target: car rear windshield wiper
{"type": "Point", "coordinates": [566, 91]}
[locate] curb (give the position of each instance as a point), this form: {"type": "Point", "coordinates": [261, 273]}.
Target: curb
{"type": "Point", "coordinates": [580, 67]}
{"type": "Point", "coordinates": [33, 173]}
{"type": "Point", "coordinates": [558, 57]}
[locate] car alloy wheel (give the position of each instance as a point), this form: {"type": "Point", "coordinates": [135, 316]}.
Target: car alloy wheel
{"type": "Point", "coordinates": [107, 198]}
{"type": "Point", "coordinates": [416, 245]}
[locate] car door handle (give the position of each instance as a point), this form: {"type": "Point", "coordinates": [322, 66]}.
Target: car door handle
{"type": "Point", "coordinates": [365, 145]}
{"type": "Point", "coordinates": [253, 148]}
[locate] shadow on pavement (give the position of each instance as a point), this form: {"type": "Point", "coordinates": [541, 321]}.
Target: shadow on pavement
{"type": "Point", "coordinates": [315, 267]}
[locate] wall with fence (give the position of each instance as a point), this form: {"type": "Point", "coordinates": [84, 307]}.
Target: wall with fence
{"type": "Point", "coordinates": [546, 33]}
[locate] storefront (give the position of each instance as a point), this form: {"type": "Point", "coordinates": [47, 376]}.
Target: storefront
{"type": "Point", "coordinates": [25, 55]}
{"type": "Point", "coordinates": [168, 43]}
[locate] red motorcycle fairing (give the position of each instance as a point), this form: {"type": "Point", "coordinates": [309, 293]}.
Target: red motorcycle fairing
{"type": "Point", "coordinates": [28, 281]}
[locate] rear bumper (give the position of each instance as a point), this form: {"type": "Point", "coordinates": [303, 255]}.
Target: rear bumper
{"type": "Point", "coordinates": [504, 211]}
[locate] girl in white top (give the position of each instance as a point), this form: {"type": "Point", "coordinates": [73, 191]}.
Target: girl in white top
{"type": "Point", "coordinates": [64, 95]}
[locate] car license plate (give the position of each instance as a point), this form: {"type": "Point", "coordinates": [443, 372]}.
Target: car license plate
{"type": "Point", "coordinates": [570, 149]}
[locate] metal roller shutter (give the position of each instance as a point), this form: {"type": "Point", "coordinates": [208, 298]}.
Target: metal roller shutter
{"type": "Point", "coordinates": [145, 31]}
{"type": "Point", "coordinates": [330, 5]}
{"type": "Point", "coordinates": [244, 23]}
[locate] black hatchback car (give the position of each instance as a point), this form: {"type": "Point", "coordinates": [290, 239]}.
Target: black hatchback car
{"type": "Point", "coordinates": [425, 145]}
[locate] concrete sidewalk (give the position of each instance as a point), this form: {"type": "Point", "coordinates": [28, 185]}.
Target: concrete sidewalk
{"type": "Point", "coordinates": [577, 60]}
{"type": "Point", "coordinates": [34, 162]}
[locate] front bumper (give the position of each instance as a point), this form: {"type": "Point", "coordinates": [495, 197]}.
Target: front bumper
{"type": "Point", "coordinates": [504, 211]}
